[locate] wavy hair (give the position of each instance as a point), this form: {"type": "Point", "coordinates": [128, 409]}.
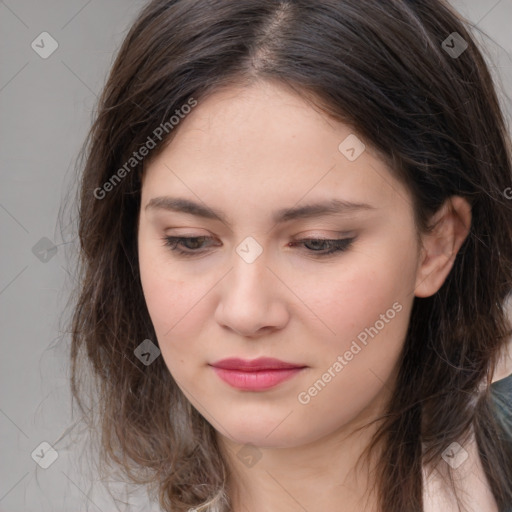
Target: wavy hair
{"type": "Point", "coordinates": [435, 120]}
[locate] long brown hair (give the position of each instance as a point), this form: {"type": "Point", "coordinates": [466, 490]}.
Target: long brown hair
{"type": "Point", "coordinates": [384, 68]}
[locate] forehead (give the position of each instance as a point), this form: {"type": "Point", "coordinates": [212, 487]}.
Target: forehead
{"type": "Point", "coordinates": [263, 144]}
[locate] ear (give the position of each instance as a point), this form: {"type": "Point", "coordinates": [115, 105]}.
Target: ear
{"type": "Point", "coordinates": [451, 225]}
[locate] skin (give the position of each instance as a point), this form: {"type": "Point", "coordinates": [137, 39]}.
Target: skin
{"type": "Point", "coordinates": [249, 151]}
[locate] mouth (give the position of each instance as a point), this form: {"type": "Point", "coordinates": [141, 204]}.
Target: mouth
{"type": "Point", "coordinates": [255, 375]}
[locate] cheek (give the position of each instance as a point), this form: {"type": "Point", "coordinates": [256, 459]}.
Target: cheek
{"type": "Point", "coordinates": [355, 296]}
{"type": "Point", "coordinates": [167, 294]}
{"type": "Point", "coordinates": [174, 308]}
{"type": "Point", "coordinates": [364, 315]}
{"type": "Point", "coordinates": [355, 369]}
{"type": "Point", "coordinates": [173, 303]}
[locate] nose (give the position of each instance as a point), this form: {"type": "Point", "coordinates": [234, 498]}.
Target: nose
{"type": "Point", "coordinates": [252, 299]}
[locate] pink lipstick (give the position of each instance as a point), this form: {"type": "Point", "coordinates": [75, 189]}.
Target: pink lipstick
{"type": "Point", "coordinates": [255, 375]}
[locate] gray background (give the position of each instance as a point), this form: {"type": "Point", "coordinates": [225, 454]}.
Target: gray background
{"type": "Point", "coordinates": [46, 107]}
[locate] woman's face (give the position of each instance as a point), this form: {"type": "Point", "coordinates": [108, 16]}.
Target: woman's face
{"type": "Point", "coordinates": [252, 289]}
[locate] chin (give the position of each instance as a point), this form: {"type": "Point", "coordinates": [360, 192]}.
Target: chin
{"type": "Point", "coordinates": [265, 434]}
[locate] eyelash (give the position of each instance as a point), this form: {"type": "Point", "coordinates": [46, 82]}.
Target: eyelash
{"type": "Point", "coordinates": [340, 245]}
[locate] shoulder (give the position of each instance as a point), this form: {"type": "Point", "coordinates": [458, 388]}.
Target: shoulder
{"type": "Point", "coordinates": [469, 475]}
{"type": "Point", "coordinates": [469, 478]}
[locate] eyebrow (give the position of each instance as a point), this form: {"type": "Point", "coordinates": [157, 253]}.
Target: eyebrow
{"type": "Point", "coordinates": [332, 207]}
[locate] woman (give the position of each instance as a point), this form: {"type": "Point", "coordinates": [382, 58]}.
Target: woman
{"type": "Point", "coordinates": [297, 251]}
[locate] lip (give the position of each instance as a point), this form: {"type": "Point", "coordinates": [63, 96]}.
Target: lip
{"type": "Point", "coordinates": [257, 374]}
{"type": "Point", "coordinates": [262, 363]}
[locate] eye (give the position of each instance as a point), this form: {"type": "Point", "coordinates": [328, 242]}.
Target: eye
{"type": "Point", "coordinates": [174, 241]}
{"type": "Point", "coordinates": [334, 246]}
{"type": "Point", "coordinates": [193, 245]}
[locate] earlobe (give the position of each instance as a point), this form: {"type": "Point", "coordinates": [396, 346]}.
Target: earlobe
{"type": "Point", "coordinates": [452, 224]}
